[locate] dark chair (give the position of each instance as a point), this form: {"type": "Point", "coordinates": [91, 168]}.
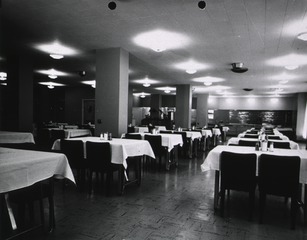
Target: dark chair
{"type": "Point", "coordinates": [133, 136]}
{"type": "Point", "coordinates": [270, 137]}
{"type": "Point", "coordinates": [238, 172]}
{"type": "Point", "coordinates": [285, 145]}
{"type": "Point", "coordinates": [24, 146]}
{"type": "Point", "coordinates": [56, 134]}
{"type": "Point", "coordinates": [44, 139]}
{"type": "Point", "coordinates": [155, 142]}
{"type": "Point", "coordinates": [247, 143]}
{"type": "Point", "coordinates": [279, 176]}
{"type": "Point", "coordinates": [131, 129]}
{"type": "Point", "coordinates": [74, 151]}
{"type": "Point", "coordinates": [98, 156]}
{"type": "Point", "coordinates": [186, 143]}
{"type": "Point", "coordinates": [166, 131]}
{"type": "Point", "coordinates": [35, 193]}
{"type": "Point", "coordinates": [250, 136]}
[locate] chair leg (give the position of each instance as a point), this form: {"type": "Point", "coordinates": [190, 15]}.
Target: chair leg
{"type": "Point", "coordinates": [294, 207]}
{"type": "Point", "coordinates": [251, 204]}
{"type": "Point", "coordinates": [90, 178]}
{"type": "Point", "coordinates": [222, 203]}
{"type": "Point", "coordinates": [262, 198]}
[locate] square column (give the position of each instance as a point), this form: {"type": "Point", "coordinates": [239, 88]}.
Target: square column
{"type": "Point", "coordinates": [202, 110]}
{"type": "Point", "coordinates": [111, 94]}
{"type": "Point", "coordinates": [183, 106]}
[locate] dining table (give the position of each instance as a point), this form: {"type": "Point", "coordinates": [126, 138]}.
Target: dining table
{"type": "Point", "coordinates": [169, 141]}
{"type": "Point", "coordinates": [141, 129]}
{"type": "Point", "coordinates": [16, 137]}
{"type": "Point", "coordinates": [121, 150]}
{"type": "Point", "coordinates": [235, 141]}
{"type": "Point", "coordinates": [20, 169]}
{"type": "Point", "coordinates": [73, 132]}
{"type": "Point", "coordinates": [212, 162]}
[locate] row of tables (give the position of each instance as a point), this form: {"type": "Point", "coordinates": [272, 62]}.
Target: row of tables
{"type": "Point", "coordinates": [212, 161]}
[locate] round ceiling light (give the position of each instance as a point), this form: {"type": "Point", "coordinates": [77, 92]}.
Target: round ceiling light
{"type": "Point", "coordinates": [191, 71]}
{"type": "Point", "coordinates": [302, 36]}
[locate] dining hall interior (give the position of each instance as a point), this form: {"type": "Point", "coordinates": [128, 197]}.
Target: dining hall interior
{"type": "Point", "coordinates": [152, 119]}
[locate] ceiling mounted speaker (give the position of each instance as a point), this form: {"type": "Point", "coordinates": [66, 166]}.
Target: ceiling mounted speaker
{"type": "Point", "coordinates": [112, 5]}
{"type": "Point", "coordinates": [238, 67]}
{"type": "Point", "coordinates": [202, 5]}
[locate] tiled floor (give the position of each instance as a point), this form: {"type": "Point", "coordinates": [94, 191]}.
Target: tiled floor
{"type": "Point", "coordinates": [177, 204]}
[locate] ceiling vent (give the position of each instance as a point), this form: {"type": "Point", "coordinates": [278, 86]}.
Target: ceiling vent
{"type": "Point", "coordinates": [238, 67]}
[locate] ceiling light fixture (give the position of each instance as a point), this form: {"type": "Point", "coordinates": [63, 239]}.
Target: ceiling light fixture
{"type": "Point", "coordinates": [52, 76]}
{"type": "Point", "coordinates": [291, 67]}
{"type": "Point", "coordinates": [146, 83]}
{"type": "Point", "coordinates": [50, 86]}
{"type": "Point", "coordinates": [202, 5]}
{"type": "Point", "coordinates": [302, 36]}
{"type": "Point", "coordinates": [56, 56]}
{"type": "Point", "coordinates": [167, 91]}
{"type": "Point", "coordinates": [207, 83]}
{"type": "Point", "coordinates": [3, 76]}
{"type": "Point", "coordinates": [191, 71]}
{"type": "Point", "coordinates": [238, 67]}
{"type": "Point", "coordinates": [160, 40]}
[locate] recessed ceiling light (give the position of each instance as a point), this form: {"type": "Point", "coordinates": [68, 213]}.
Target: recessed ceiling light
{"type": "Point", "coordinates": [50, 86]}
{"type": "Point", "coordinates": [208, 79]}
{"type": "Point", "coordinates": [56, 56]}
{"type": "Point", "coordinates": [207, 83]}
{"type": "Point", "coordinates": [167, 91]}
{"type": "Point", "coordinates": [3, 76]}
{"type": "Point", "coordinates": [283, 82]}
{"type": "Point", "coordinates": [291, 67]}
{"type": "Point", "coordinates": [52, 72]}
{"type": "Point", "coordinates": [146, 84]}
{"type": "Point", "coordinates": [56, 48]}
{"type": "Point", "coordinates": [52, 76]}
{"type": "Point", "coordinates": [191, 71]}
{"type": "Point", "coordinates": [160, 40]}
{"type": "Point", "coordinates": [302, 36]}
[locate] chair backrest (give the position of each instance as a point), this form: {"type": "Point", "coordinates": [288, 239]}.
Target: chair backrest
{"type": "Point", "coordinates": [57, 134]}
{"type": "Point", "coordinates": [131, 129]}
{"type": "Point", "coordinates": [250, 136]}
{"type": "Point", "coordinates": [238, 171]}
{"type": "Point", "coordinates": [274, 137]}
{"type": "Point", "coordinates": [98, 155]}
{"type": "Point", "coordinates": [247, 143]}
{"type": "Point", "coordinates": [133, 136]}
{"type": "Point", "coordinates": [279, 175]}
{"type": "Point", "coordinates": [155, 142]}
{"type": "Point", "coordinates": [74, 151]}
{"type": "Point", "coordinates": [285, 145]}
{"type": "Point", "coordinates": [165, 131]}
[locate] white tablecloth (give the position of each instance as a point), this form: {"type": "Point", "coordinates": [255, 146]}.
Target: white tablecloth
{"type": "Point", "coordinates": [159, 128]}
{"type": "Point", "coordinates": [234, 140]}
{"type": "Point", "coordinates": [70, 133]}
{"type": "Point", "coordinates": [206, 133]}
{"type": "Point", "coordinates": [141, 129]}
{"type": "Point", "coordinates": [16, 137]}
{"type": "Point", "coordinates": [22, 168]}
{"type": "Point", "coordinates": [121, 149]}
{"type": "Point", "coordinates": [193, 135]}
{"type": "Point", "coordinates": [216, 131]}
{"type": "Point", "coordinates": [212, 161]}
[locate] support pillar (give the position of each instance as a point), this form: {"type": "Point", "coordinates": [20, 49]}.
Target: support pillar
{"type": "Point", "coordinates": [183, 106]}
{"type": "Point", "coordinates": [202, 110]}
{"type": "Point", "coordinates": [111, 94]}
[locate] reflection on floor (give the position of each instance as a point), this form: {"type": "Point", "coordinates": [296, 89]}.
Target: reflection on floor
{"type": "Point", "coordinates": [175, 204]}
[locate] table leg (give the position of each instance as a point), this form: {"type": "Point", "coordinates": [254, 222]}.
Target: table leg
{"type": "Point", "coordinates": [205, 144]}
{"type": "Point", "coordinates": [305, 204]}
{"type": "Point", "coordinates": [191, 148]}
{"type": "Point", "coordinates": [167, 160]}
{"type": "Point", "coordinates": [216, 189]}
{"type": "Point", "coordinates": [121, 180]}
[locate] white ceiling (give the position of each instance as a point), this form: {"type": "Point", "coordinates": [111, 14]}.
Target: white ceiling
{"type": "Point", "coordinates": [227, 31]}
